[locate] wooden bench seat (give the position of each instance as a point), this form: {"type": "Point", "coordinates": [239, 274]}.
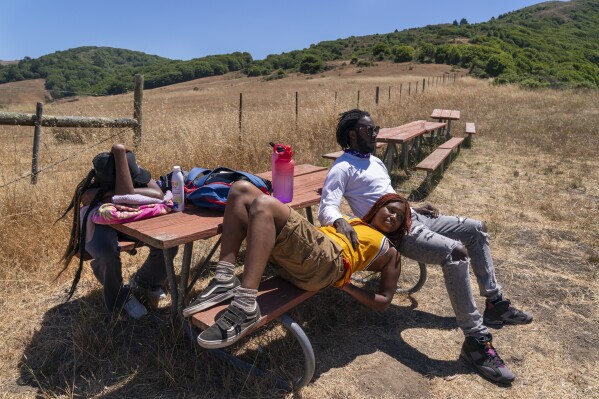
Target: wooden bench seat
{"type": "Point", "coordinates": [452, 143]}
{"type": "Point", "coordinates": [275, 297]}
{"type": "Point", "coordinates": [470, 131]}
{"type": "Point", "coordinates": [434, 160]}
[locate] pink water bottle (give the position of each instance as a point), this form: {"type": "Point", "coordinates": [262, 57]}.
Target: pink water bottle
{"type": "Point", "coordinates": [282, 172]}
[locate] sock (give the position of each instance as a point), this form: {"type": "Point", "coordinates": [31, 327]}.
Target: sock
{"type": "Point", "coordinates": [245, 299]}
{"type": "Point", "coordinates": [224, 270]}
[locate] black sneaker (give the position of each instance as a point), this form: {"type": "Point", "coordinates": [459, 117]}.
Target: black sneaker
{"type": "Point", "coordinates": [502, 312]}
{"type": "Point", "coordinates": [216, 292]}
{"type": "Point", "coordinates": [230, 327]}
{"type": "Point", "coordinates": [480, 353]}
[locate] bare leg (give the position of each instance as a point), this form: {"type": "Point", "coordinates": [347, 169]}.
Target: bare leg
{"type": "Point", "coordinates": [267, 217]}
{"type": "Point", "coordinates": [236, 218]}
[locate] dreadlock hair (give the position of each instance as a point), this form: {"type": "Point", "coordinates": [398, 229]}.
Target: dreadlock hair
{"type": "Point", "coordinates": [397, 236]}
{"type": "Point", "coordinates": [79, 227]}
{"type": "Point", "coordinates": [347, 121]}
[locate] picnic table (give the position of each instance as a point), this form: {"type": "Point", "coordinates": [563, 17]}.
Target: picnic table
{"type": "Point", "coordinates": [404, 135]}
{"type": "Point", "coordinates": [184, 228]}
{"type": "Point", "coordinates": [446, 115]}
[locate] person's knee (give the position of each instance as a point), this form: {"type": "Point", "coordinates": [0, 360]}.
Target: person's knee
{"type": "Point", "coordinates": [261, 204]}
{"type": "Point", "coordinates": [459, 253]}
{"type": "Point", "coordinates": [240, 188]}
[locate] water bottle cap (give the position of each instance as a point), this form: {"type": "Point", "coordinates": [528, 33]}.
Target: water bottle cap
{"type": "Point", "coordinates": [176, 168]}
{"type": "Point", "coordinates": [282, 150]}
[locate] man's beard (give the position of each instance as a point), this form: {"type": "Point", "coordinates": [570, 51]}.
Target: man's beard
{"type": "Point", "coordinates": [364, 146]}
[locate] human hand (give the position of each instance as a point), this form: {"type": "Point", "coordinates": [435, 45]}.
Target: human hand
{"type": "Point", "coordinates": [346, 229]}
{"type": "Point", "coordinates": [428, 210]}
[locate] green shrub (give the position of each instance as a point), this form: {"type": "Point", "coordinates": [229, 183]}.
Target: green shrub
{"type": "Point", "coordinates": [402, 53]}
{"type": "Point", "coordinates": [311, 64]}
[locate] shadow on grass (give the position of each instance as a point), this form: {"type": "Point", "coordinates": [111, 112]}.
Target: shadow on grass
{"type": "Point", "coordinates": [356, 330]}
{"type": "Point", "coordinates": [81, 351]}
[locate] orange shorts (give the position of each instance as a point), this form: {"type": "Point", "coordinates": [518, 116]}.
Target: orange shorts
{"type": "Point", "coordinates": [305, 256]}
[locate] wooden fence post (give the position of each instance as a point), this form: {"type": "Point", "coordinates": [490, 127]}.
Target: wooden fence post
{"type": "Point", "coordinates": [138, 97]}
{"type": "Point", "coordinates": [335, 103]}
{"type": "Point", "coordinates": [400, 86]}
{"type": "Point", "coordinates": [376, 99]}
{"type": "Point", "coordinates": [389, 93]}
{"type": "Point", "coordinates": [296, 108]}
{"type": "Point", "coordinates": [358, 103]}
{"type": "Point", "coordinates": [416, 86]}
{"type": "Point", "coordinates": [39, 111]}
{"type": "Point", "coordinates": [423, 81]}
{"type": "Point", "coordinates": [409, 88]}
{"type": "Point", "coordinates": [240, 109]}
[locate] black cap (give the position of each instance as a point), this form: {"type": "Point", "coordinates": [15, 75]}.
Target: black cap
{"type": "Point", "coordinates": [106, 173]}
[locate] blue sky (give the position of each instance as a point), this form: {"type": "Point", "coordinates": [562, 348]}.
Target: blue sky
{"type": "Point", "coordinates": [186, 29]}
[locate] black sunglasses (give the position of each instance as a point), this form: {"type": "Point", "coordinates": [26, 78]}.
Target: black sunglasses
{"type": "Point", "coordinates": [372, 131]}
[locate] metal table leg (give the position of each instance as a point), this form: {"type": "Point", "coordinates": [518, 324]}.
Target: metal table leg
{"type": "Point", "coordinates": [405, 155]}
{"type": "Point", "coordinates": [184, 278]}
{"type": "Point", "coordinates": [388, 158]}
{"type": "Point", "coordinates": [169, 255]}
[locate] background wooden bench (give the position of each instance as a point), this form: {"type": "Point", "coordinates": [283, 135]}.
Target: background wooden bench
{"type": "Point", "coordinates": [470, 131]}
{"type": "Point", "coordinates": [453, 143]}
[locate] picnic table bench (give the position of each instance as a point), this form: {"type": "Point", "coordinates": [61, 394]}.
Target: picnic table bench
{"type": "Point", "coordinates": [403, 135]}
{"type": "Point", "coordinates": [183, 228]}
{"type": "Point", "coordinates": [436, 160]}
{"type": "Point", "coordinates": [409, 136]}
{"type": "Point", "coordinates": [446, 115]}
{"type": "Point", "coordinates": [470, 131]}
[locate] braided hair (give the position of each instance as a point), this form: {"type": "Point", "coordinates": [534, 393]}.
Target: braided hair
{"type": "Point", "coordinates": [76, 245]}
{"type": "Point", "coordinates": [397, 236]}
{"type": "Point", "coordinates": [347, 121]}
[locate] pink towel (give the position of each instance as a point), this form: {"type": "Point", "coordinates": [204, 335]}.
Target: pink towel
{"type": "Point", "coordinates": [118, 213]}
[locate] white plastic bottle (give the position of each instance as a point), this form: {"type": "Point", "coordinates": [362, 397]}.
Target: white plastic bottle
{"type": "Point", "coordinates": [177, 184]}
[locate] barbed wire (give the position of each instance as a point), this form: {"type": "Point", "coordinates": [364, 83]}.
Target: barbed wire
{"type": "Point", "coordinates": [28, 174]}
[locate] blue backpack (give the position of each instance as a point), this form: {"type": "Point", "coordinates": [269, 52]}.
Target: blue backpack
{"type": "Point", "coordinates": [209, 188]}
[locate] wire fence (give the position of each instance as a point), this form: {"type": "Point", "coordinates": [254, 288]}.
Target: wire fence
{"type": "Point", "coordinates": [406, 89]}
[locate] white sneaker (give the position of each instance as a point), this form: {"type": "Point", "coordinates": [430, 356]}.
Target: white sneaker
{"type": "Point", "coordinates": [153, 294]}
{"type": "Point", "coordinates": [134, 308]}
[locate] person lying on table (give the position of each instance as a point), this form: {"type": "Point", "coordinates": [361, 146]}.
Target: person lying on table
{"type": "Point", "coordinates": [310, 258]}
{"type": "Point", "coordinates": [454, 242]}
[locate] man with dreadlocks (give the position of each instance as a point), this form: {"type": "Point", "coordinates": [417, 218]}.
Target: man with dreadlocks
{"type": "Point", "coordinates": [114, 173]}
{"type": "Point", "coordinates": [453, 242]}
{"type": "Point", "coordinates": [310, 258]}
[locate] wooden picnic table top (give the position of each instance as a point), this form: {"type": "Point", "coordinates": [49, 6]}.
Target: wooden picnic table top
{"type": "Point", "coordinates": [408, 131]}
{"type": "Point", "coordinates": [445, 114]}
{"type": "Point", "coordinates": [194, 223]}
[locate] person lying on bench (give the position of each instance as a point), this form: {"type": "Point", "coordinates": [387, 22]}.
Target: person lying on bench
{"type": "Point", "coordinates": [454, 242]}
{"type": "Point", "coordinates": [310, 258]}
{"type": "Point", "coordinates": [114, 173]}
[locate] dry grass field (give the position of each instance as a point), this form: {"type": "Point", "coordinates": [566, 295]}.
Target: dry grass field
{"type": "Point", "coordinates": [532, 175]}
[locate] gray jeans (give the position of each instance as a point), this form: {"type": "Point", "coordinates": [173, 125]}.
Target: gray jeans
{"type": "Point", "coordinates": [107, 267]}
{"type": "Point", "coordinates": [432, 241]}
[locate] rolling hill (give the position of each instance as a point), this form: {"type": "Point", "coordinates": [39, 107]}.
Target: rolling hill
{"type": "Point", "coordinates": [552, 44]}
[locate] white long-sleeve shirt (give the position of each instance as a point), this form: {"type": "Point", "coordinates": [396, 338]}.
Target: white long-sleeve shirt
{"type": "Point", "coordinates": [362, 181]}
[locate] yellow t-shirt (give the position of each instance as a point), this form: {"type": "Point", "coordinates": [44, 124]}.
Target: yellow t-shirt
{"type": "Point", "coordinates": [372, 244]}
